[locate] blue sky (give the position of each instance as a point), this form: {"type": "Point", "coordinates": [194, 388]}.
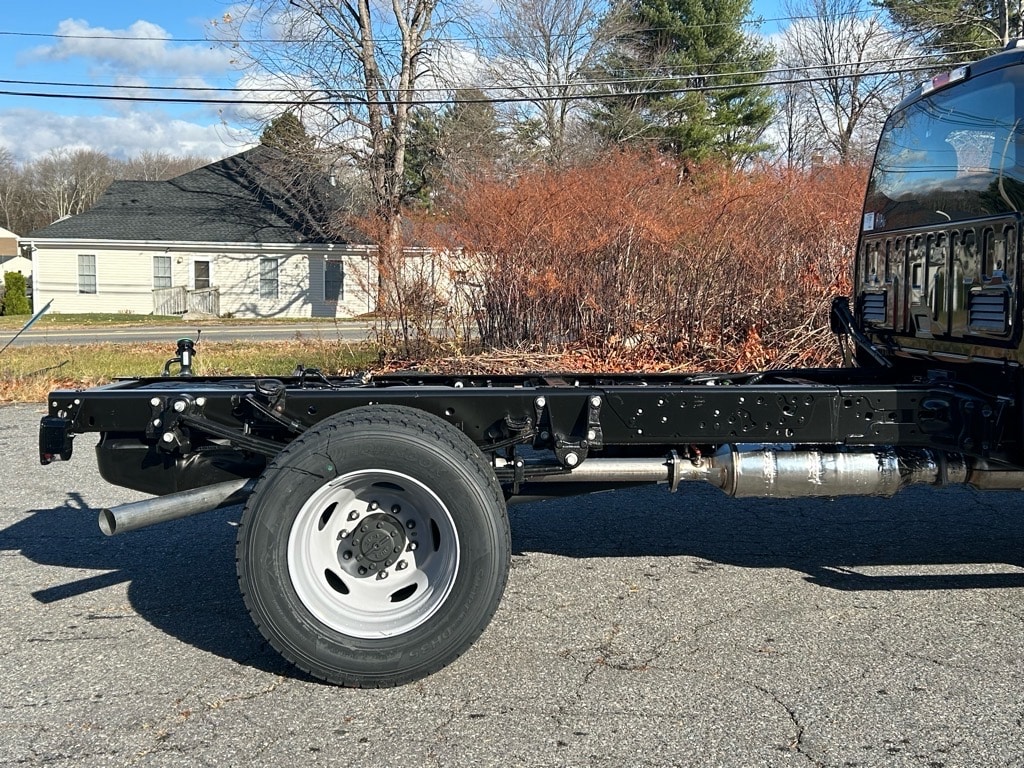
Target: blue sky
{"type": "Point", "coordinates": [32, 127]}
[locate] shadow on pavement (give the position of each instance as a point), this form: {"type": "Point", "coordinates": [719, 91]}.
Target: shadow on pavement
{"type": "Point", "coordinates": [181, 575]}
{"type": "Point", "coordinates": [827, 539]}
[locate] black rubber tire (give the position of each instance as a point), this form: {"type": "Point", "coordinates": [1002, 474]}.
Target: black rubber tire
{"type": "Point", "coordinates": [372, 439]}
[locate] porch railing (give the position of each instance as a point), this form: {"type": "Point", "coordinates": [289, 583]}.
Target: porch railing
{"type": "Point", "coordinates": [177, 300]}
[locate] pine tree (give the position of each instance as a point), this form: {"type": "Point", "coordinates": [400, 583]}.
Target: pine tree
{"type": "Point", "coordinates": [687, 80]}
{"type": "Point", "coordinates": [287, 133]}
{"type": "Point", "coordinates": [448, 147]}
{"type": "Point", "coordinates": [15, 295]}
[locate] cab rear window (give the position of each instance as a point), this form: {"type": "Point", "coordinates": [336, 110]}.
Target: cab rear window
{"type": "Point", "coordinates": [953, 156]}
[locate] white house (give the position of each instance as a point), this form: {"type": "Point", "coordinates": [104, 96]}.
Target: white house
{"type": "Point", "coordinates": [11, 259]}
{"type": "Point", "coordinates": [225, 239]}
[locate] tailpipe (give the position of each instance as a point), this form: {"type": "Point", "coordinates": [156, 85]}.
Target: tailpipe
{"type": "Point", "coordinates": [173, 506]}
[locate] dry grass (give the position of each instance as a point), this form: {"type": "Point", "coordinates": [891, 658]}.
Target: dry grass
{"type": "Point", "coordinates": [28, 373]}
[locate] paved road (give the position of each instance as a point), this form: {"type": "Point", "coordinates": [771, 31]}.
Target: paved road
{"type": "Point", "coordinates": [42, 334]}
{"type": "Point", "coordinates": [638, 629]}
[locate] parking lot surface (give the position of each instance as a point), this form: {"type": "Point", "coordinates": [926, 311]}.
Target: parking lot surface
{"type": "Point", "coordinates": [639, 628]}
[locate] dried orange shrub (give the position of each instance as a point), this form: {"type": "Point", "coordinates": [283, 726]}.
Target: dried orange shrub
{"type": "Point", "coordinates": [785, 240]}
{"type": "Point", "coordinates": [632, 261]}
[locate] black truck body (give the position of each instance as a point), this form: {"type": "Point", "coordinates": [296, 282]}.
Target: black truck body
{"type": "Point", "coordinates": [373, 548]}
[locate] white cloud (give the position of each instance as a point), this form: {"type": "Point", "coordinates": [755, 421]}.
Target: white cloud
{"type": "Point", "coordinates": [155, 51]}
{"type": "Point", "coordinates": [30, 134]}
{"type": "Point", "coordinates": [139, 56]}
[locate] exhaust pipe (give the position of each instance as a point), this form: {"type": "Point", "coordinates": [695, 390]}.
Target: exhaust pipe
{"type": "Point", "coordinates": [173, 506]}
{"type": "Point", "coordinates": [738, 470]}
{"type": "Point", "coordinates": [751, 471]}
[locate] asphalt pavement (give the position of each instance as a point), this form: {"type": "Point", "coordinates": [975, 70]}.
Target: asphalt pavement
{"type": "Point", "coordinates": [639, 628]}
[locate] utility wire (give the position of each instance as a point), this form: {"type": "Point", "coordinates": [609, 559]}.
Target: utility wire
{"type": "Point", "coordinates": [652, 75]}
{"type": "Point", "coordinates": [355, 101]}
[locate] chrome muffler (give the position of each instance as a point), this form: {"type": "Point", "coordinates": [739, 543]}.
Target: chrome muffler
{"type": "Point", "coordinates": [774, 471]}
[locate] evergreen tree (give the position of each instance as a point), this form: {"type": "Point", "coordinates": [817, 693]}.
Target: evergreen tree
{"type": "Point", "coordinates": [287, 133]}
{"type": "Point", "coordinates": [687, 80]}
{"type": "Point", "coordinates": [448, 147]}
{"type": "Point", "coordinates": [423, 156]}
{"type": "Point", "coordinates": [15, 298]}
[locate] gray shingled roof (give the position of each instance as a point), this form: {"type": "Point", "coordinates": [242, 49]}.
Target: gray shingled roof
{"type": "Point", "coordinates": [235, 200]}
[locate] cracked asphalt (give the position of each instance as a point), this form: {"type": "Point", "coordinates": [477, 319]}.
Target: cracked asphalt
{"type": "Point", "coordinates": [639, 628]}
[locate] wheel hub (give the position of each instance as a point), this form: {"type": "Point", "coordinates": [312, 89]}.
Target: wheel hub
{"type": "Point", "coordinates": [354, 555]}
{"type": "Point", "coordinates": [375, 545]}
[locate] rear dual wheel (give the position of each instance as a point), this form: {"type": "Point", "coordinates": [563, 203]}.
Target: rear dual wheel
{"type": "Point", "coordinates": [375, 548]}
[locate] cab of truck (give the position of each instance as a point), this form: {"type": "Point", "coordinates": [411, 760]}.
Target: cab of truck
{"type": "Point", "coordinates": [937, 275]}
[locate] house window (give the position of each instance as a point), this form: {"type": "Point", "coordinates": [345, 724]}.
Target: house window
{"type": "Point", "coordinates": [268, 278]}
{"type": "Point", "coordinates": [86, 273]}
{"type": "Point", "coordinates": [334, 281]}
{"type": "Point", "coordinates": [161, 271]}
{"type": "Point", "coordinates": [200, 275]}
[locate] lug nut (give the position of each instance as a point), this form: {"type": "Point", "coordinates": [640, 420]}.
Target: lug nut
{"type": "Point", "coordinates": [346, 555]}
{"type": "Point", "coordinates": [410, 524]}
{"type": "Point", "coordinates": [342, 534]}
{"type": "Point", "coordinates": [373, 505]}
{"type": "Point", "coordinates": [362, 570]}
{"type": "Point", "coordinates": [401, 565]}
{"type": "Point", "coordinates": [382, 575]}
{"type": "Point", "coordinates": [411, 547]}
{"type": "Point", "coordinates": [353, 515]}
{"type": "Point", "coordinates": [395, 509]}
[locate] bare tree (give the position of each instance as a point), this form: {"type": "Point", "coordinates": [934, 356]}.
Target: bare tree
{"type": "Point", "coordinates": [959, 28]}
{"type": "Point", "coordinates": [543, 51]}
{"type": "Point", "coordinates": [66, 182]}
{"type": "Point", "coordinates": [12, 197]}
{"type": "Point", "coordinates": [844, 76]}
{"type": "Point", "coordinates": [351, 70]}
{"type": "Point", "coordinates": [796, 133]}
{"type": "Point", "coordinates": [159, 166]}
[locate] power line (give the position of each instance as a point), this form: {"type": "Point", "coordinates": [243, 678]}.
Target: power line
{"type": "Point", "coordinates": [354, 101]}
{"type": "Point", "coordinates": [651, 74]}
